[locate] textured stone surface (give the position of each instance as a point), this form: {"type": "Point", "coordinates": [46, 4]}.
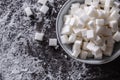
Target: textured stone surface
{"type": "Point", "coordinates": [23, 58]}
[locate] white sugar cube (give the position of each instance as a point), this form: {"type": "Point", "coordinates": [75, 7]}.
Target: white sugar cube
{"type": "Point", "coordinates": [86, 9]}
{"type": "Point", "coordinates": [83, 54]}
{"type": "Point", "coordinates": [28, 11]}
{"type": "Point", "coordinates": [67, 17]}
{"type": "Point", "coordinates": [77, 45]}
{"type": "Point", "coordinates": [85, 45]}
{"type": "Point", "coordinates": [90, 46]}
{"type": "Point", "coordinates": [98, 40]}
{"type": "Point", "coordinates": [84, 18]}
{"type": "Point", "coordinates": [66, 29]}
{"type": "Point", "coordinates": [44, 9]}
{"type": "Point", "coordinates": [77, 30]}
{"type": "Point", "coordinates": [98, 55]}
{"type": "Point", "coordinates": [88, 2]}
{"type": "Point", "coordinates": [90, 55]}
{"type": "Point", "coordinates": [114, 15]}
{"type": "Point", "coordinates": [67, 21]}
{"type": "Point", "coordinates": [100, 13]}
{"type": "Point", "coordinates": [117, 4]}
{"type": "Point", "coordinates": [77, 12]}
{"type": "Point", "coordinates": [75, 5]}
{"type": "Point", "coordinates": [90, 34]}
{"type": "Point", "coordinates": [103, 48]}
{"type": "Point", "coordinates": [108, 51]}
{"type": "Point", "coordinates": [72, 21]}
{"type": "Point", "coordinates": [92, 12]}
{"type": "Point", "coordinates": [100, 22]}
{"type": "Point", "coordinates": [39, 36]}
{"type": "Point", "coordinates": [114, 25]}
{"type": "Point", "coordinates": [72, 38]}
{"type": "Point", "coordinates": [76, 48]}
{"type": "Point", "coordinates": [116, 36]}
{"type": "Point", "coordinates": [95, 3]}
{"type": "Point", "coordinates": [100, 29]}
{"type": "Point", "coordinates": [110, 41]}
{"type": "Point", "coordinates": [84, 32]}
{"type": "Point", "coordinates": [107, 32]}
{"type": "Point", "coordinates": [96, 49]}
{"type": "Point", "coordinates": [64, 39]}
{"type": "Point", "coordinates": [42, 1]}
{"type": "Point", "coordinates": [76, 53]}
{"type": "Point", "coordinates": [91, 24]}
{"type": "Point", "coordinates": [52, 42]}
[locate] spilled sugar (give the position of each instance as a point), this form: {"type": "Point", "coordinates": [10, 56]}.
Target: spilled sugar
{"type": "Point", "coordinates": [23, 58]}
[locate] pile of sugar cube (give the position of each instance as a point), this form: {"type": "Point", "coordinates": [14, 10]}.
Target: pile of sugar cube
{"type": "Point", "coordinates": [40, 35]}
{"type": "Point", "coordinates": [92, 28]}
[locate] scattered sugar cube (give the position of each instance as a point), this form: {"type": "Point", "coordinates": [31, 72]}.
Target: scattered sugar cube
{"type": "Point", "coordinates": [100, 22]}
{"type": "Point", "coordinates": [64, 39]}
{"type": "Point", "coordinates": [96, 49]}
{"type": "Point", "coordinates": [67, 17]}
{"type": "Point", "coordinates": [83, 54]}
{"type": "Point", "coordinates": [95, 3]}
{"type": "Point", "coordinates": [72, 38]}
{"type": "Point", "coordinates": [52, 42]}
{"type": "Point", "coordinates": [66, 29]}
{"type": "Point", "coordinates": [116, 36]}
{"type": "Point", "coordinates": [90, 34]}
{"type": "Point", "coordinates": [44, 9]}
{"type": "Point", "coordinates": [67, 21]}
{"type": "Point", "coordinates": [39, 36]}
{"type": "Point", "coordinates": [42, 2]}
{"type": "Point", "coordinates": [114, 25]}
{"type": "Point", "coordinates": [28, 11]}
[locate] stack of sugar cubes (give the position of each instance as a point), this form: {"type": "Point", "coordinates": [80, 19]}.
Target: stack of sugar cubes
{"type": "Point", "coordinates": [92, 28]}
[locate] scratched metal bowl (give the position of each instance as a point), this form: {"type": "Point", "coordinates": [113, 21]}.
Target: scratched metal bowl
{"type": "Point", "coordinates": [68, 48]}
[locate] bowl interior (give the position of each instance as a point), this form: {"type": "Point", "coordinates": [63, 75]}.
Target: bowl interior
{"type": "Point", "coordinates": [68, 48]}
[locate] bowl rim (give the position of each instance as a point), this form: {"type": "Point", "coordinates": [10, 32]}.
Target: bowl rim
{"type": "Point", "coordinates": [94, 61]}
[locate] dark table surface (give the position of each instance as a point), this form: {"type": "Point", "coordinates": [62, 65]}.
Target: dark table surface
{"type": "Point", "coordinates": [23, 58]}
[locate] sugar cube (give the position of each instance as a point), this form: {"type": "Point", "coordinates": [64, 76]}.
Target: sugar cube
{"type": "Point", "coordinates": [72, 38]}
{"type": "Point", "coordinates": [108, 51]}
{"type": "Point", "coordinates": [116, 36]}
{"type": "Point", "coordinates": [83, 54]}
{"type": "Point", "coordinates": [28, 11]}
{"type": "Point", "coordinates": [92, 12]}
{"type": "Point", "coordinates": [44, 9]}
{"type": "Point", "coordinates": [100, 22]}
{"type": "Point", "coordinates": [52, 42]}
{"type": "Point", "coordinates": [90, 34]}
{"type": "Point", "coordinates": [66, 29]}
{"type": "Point", "coordinates": [91, 24]}
{"type": "Point", "coordinates": [114, 25]}
{"type": "Point", "coordinates": [42, 1]}
{"type": "Point", "coordinates": [39, 36]}
{"type": "Point", "coordinates": [64, 39]}
{"type": "Point", "coordinates": [88, 2]}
